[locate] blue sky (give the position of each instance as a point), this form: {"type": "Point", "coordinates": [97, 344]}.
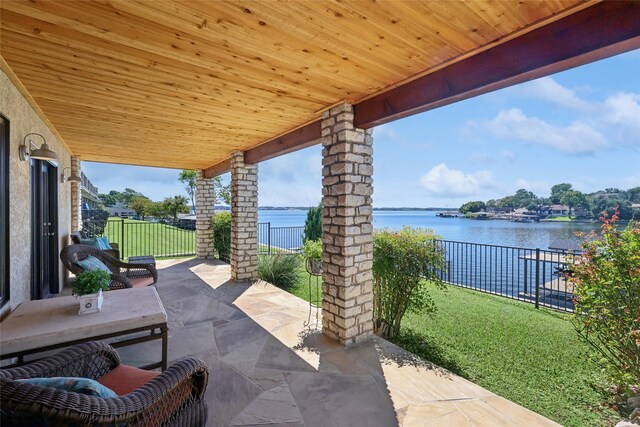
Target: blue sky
{"type": "Point", "coordinates": [580, 126]}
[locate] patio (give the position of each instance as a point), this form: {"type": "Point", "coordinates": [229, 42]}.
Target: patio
{"type": "Point", "coordinates": [268, 369]}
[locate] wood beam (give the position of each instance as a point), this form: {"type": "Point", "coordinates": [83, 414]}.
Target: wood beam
{"type": "Point", "coordinates": [599, 31]}
{"type": "Point", "coordinates": [298, 139]}
{"type": "Point", "coordinates": [218, 169]}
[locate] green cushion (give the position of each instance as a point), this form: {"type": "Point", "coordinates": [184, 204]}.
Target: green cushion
{"type": "Point", "coordinates": [92, 263]}
{"type": "Point", "coordinates": [76, 385]}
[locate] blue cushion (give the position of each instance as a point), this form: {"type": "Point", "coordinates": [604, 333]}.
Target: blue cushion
{"type": "Point", "coordinates": [91, 242]}
{"type": "Point", "coordinates": [103, 243]}
{"type": "Point", "coordinates": [92, 263]}
{"type": "Point", "coordinates": [77, 385]}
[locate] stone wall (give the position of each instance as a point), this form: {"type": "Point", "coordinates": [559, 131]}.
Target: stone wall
{"type": "Point", "coordinates": [205, 209]}
{"type": "Point", "coordinates": [244, 219]}
{"type": "Point", "coordinates": [23, 120]}
{"type": "Point", "coordinates": [76, 196]}
{"type": "Point", "coordinates": [347, 305]}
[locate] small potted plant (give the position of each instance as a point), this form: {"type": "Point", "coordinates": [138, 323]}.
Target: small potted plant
{"type": "Point", "coordinates": [88, 288]}
{"type": "Point", "coordinates": [312, 251]}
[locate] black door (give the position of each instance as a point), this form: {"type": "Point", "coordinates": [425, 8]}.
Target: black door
{"type": "Point", "coordinates": [4, 211]}
{"type": "Point", "coordinates": [44, 229]}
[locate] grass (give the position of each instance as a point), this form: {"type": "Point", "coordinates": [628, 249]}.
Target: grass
{"type": "Point", "coordinates": [526, 355]}
{"type": "Point", "coordinates": [529, 356]}
{"type": "Point", "coordinates": [560, 218]}
{"type": "Point", "coordinates": [148, 238]}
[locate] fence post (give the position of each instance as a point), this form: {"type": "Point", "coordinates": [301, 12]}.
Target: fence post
{"type": "Point", "coordinates": [269, 237]}
{"type": "Point", "coordinates": [122, 238]}
{"type": "Point", "coordinates": [537, 278]}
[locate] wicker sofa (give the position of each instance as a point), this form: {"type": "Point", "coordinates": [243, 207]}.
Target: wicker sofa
{"type": "Point", "coordinates": [124, 274]}
{"type": "Point", "coordinates": [171, 398]}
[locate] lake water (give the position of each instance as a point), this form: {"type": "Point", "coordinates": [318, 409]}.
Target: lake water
{"type": "Point", "coordinates": [495, 232]}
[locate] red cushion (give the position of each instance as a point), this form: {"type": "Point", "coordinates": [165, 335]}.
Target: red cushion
{"type": "Point", "coordinates": [140, 282]}
{"type": "Point", "coordinates": [125, 379]}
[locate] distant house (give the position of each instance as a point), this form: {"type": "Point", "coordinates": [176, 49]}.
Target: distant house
{"type": "Point", "coordinates": [496, 210]}
{"type": "Point", "coordinates": [635, 206]}
{"type": "Point", "coordinates": [121, 211]}
{"type": "Point", "coordinates": [556, 210]}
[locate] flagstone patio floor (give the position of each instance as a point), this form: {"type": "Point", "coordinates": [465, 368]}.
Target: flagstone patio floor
{"type": "Point", "coordinates": [268, 369]}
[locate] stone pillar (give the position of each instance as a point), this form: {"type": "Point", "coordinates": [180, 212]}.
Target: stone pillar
{"type": "Point", "coordinates": [76, 196]}
{"type": "Point", "coordinates": [205, 209]}
{"type": "Point", "coordinates": [347, 239]}
{"type": "Point", "coordinates": [244, 219]}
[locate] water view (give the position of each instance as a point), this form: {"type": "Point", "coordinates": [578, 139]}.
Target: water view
{"type": "Point", "coordinates": [494, 232]}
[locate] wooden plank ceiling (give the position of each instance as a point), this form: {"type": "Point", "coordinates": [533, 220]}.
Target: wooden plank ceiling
{"type": "Point", "coordinates": [183, 84]}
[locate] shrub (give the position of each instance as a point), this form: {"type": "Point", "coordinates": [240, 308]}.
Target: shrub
{"type": "Point", "coordinates": [312, 249]}
{"type": "Point", "coordinates": [402, 261]}
{"type": "Point", "coordinates": [313, 224]}
{"type": "Point", "coordinates": [90, 282]}
{"type": "Point", "coordinates": [282, 270]}
{"type": "Point", "coordinates": [606, 280]}
{"type": "Point", "coordinates": [221, 229]}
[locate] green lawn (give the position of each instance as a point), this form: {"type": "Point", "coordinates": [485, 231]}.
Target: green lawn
{"type": "Point", "coordinates": [148, 238]}
{"type": "Point", "coordinates": [529, 356]}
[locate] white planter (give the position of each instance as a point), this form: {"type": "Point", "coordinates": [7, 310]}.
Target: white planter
{"type": "Point", "coordinates": [91, 303]}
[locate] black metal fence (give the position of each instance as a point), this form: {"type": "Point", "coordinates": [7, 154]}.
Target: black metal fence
{"type": "Point", "coordinates": [279, 239]}
{"type": "Point", "coordinates": [531, 275]}
{"type": "Point", "coordinates": [139, 238]}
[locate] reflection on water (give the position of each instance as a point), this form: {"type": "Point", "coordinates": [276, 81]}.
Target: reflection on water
{"type": "Point", "coordinates": [495, 232]}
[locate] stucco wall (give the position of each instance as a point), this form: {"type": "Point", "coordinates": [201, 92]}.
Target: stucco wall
{"type": "Point", "coordinates": [23, 120]}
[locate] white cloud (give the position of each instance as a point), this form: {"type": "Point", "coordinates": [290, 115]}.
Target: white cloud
{"type": "Point", "coordinates": [577, 138]}
{"type": "Point", "coordinates": [549, 90]}
{"type": "Point", "coordinates": [441, 181]}
{"type": "Point", "coordinates": [623, 109]}
{"type": "Point", "coordinates": [385, 131]}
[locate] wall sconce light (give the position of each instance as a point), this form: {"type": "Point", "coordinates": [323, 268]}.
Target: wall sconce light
{"type": "Point", "coordinates": [71, 178]}
{"type": "Point", "coordinates": [42, 153]}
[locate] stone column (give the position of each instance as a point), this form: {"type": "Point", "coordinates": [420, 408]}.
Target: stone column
{"type": "Point", "coordinates": [244, 219]}
{"type": "Point", "coordinates": [205, 209]}
{"type": "Point", "coordinates": [347, 240]}
{"type": "Point", "coordinates": [76, 196]}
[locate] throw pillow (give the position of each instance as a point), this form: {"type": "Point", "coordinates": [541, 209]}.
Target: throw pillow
{"type": "Point", "coordinates": [91, 242]}
{"type": "Point", "coordinates": [92, 263]}
{"type": "Point", "coordinates": [76, 385]}
{"type": "Point", "coordinates": [103, 243]}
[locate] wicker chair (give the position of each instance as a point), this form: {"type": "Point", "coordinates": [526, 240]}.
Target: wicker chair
{"type": "Point", "coordinates": [124, 275]}
{"type": "Point", "coordinates": [77, 237]}
{"type": "Point", "coordinates": [171, 398]}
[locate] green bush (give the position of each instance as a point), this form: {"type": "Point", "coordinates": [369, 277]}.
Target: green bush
{"type": "Point", "coordinates": [312, 249]}
{"type": "Point", "coordinates": [90, 282]}
{"type": "Point", "coordinates": [313, 224]}
{"type": "Point", "coordinates": [606, 280]}
{"type": "Point", "coordinates": [402, 261]}
{"type": "Point", "coordinates": [282, 270]}
{"type": "Point", "coordinates": [221, 229]}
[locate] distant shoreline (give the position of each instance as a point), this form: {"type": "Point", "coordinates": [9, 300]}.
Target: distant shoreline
{"type": "Point", "coordinates": [302, 208]}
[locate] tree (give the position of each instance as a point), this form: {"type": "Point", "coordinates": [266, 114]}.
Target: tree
{"type": "Point", "coordinates": [127, 196]}
{"type": "Point", "coordinates": [574, 199]}
{"type": "Point", "coordinates": [188, 178]}
{"type": "Point", "coordinates": [524, 198]}
{"type": "Point", "coordinates": [611, 205]}
{"type": "Point", "coordinates": [557, 191]}
{"type": "Point", "coordinates": [158, 210]}
{"type": "Point", "coordinates": [141, 206]}
{"type": "Point", "coordinates": [223, 192]}
{"type": "Point", "coordinates": [633, 195]}
{"type": "Point", "coordinates": [471, 207]}
{"type": "Point", "coordinates": [175, 205]}
{"type": "Point", "coordinates": [109, 199]}
{"type": "Point", "coordinates": [313, 224]}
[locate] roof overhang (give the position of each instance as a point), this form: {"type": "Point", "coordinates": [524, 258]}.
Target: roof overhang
{"type": "Point", "coordinates": [184, 85]}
